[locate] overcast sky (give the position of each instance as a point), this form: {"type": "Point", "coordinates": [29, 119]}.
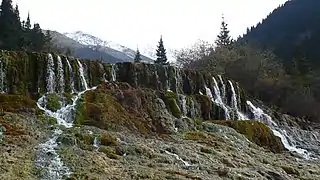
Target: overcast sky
{"type": "Point", "coordinates": [141, 22]}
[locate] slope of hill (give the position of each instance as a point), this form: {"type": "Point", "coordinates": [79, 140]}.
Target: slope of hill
{"type": "Point", "coordinates": [291, 30]}
{"type": "Point", "coordinates": [109, 47]}
{"type": "Point", "coordinates": [89, 47]}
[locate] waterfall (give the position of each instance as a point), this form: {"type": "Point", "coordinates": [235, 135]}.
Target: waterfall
{"type": "Point", "coordinates": [71, 77]}
{"type": "Point", "coordinates": [218, 99]}
{"type": "Point", "coordinates": [113, 73]}
{"type": "Point", "coordinates": [183, 104]}
{"type": "Point", "coordinates": [2, 77]}
{"type": "Point", "coordinates": [60, 75]}
{"type": "Point", "coordinates": [50, 75]}
{"type": "Point", "coordinates": [260, 115]}
{"type": "Point", "coordinates": [83, 79]}
{"type": "Point", "coordinates": [192, 109]}
{"type": "Point", "coordinates": [176, 78]}
{"type": "Point", "coordinates": [223, 91]}
{"type": "Point", "coordinates": [234, 103]}
{"type": "Point", "coordinates": [167, 78]}
{"type": "Point", "coordinates": [96, 143]}
{"type": "Point", "coordinates": [49, 160]}
{"type": "Point", "coordinates": [286, 140]}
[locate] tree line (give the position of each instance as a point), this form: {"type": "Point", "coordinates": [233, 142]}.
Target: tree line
{"type": "Point", "coordinates": [20, 35]}
{"type": "Point", "coordinates": [259, 71]}
{"type": "Point", "coordinates": [161, 54]}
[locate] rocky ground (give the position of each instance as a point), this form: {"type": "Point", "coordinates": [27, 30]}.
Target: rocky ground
{"type": "Point", "coordinates": [130, 134]}
{"type": "Point", "coordinates": [211, 152]}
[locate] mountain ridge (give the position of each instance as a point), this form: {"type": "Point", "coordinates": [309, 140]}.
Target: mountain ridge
{"type": "Point", "coordinates": [88, 46]}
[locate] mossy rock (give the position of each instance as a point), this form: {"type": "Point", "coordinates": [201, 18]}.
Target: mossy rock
{"type": "Point", "coordinates": [256, 132]}
{"type": "Point", "coordinates": [53, 102]}
{"type": "Point", "coordinates": [17, 104]}
{"type": "Point", "coordinates": [108, 140]}
{"type": "Point", "coordinates": [103, 109]}
{"type": "Point", "coordinates": [290, 170]}
{"type": "Point", "coordinates": [171, 99]}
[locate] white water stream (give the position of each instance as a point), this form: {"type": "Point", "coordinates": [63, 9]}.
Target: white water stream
{"type": "Point", "coordinates": [48, 159]}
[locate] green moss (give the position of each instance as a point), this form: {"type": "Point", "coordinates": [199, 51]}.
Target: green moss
{"type": "Point", "coordinates": [17, 103]}
{"type": "Point", "coordinates": [290, 170]}
{"type": "Point", "coordinates": [170, 94]}
{"type": "Point", "coordinates": [80, 110]}
{"type": "Point", "coordinates": [53, 102]}
{"type": "Point", "coordinates": [206, 150]}
{"type": "Point", "coordinates": [198, 121]}
{"type": "Point", "coordinates": [110, 153]}
{"type": "Point", "coordinates": [85, 138]}
{"type": "Point", "coordinates": [171, 99]}
{"type": "Point", "coordinates": [174, 108]}
{"type": "Point", "coordinates": [257, 133]}
{"type": "Point", "coordinates": [52, 120]}
{"type": "Point", "coordinates": [183, 174]}
{"type": "Point", "coordinates": [108, 140]}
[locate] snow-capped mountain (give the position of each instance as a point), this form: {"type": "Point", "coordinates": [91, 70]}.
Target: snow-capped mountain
{"type": "Point", "coordinates": [112, 48]}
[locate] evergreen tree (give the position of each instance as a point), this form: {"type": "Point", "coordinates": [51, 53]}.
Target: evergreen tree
{"type": "Point", "coordinates": [48, 45]}
{"type": "Point", "coordinates": [27, 35]}
{"type": "Point", "coordinates": [161, 54]}
{"type": "Point", "coordinates": [137, 58]}
{"type": "Point", "coordinates": [27, 25]}
{"type": "Point", "coordinates": [10, 26]}
{"type": "Point", "coordinates": [300, 62]}
{"type": "Point", "coordinates": [224, 39]}
{"type": "Point", "coordinates": [38, 39]}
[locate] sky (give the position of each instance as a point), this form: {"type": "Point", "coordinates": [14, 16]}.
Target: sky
{"type": "Point", "coordinates": [141, 22]}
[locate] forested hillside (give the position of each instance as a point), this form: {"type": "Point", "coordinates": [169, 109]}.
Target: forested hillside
{"type": "Point", "coordinates": [16, 34]}
{"type": "Point", "coordinates": [292, 31]}
{"type": "Point", "coordinates": [276, 61]}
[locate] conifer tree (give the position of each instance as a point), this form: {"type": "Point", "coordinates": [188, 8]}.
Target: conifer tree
{"type": "Point", "coordinates": [27, 35]}
{"type": "Point", "coordinates": [10, 26]}
{"type": "Point", "coordinates": [137, 58]}
{"type": "Point", "coordinates": [223, 39]}
{"type": "Point", "coordinates": [37, 38]}
{"type": "Point", "coordinates": [161, 54]}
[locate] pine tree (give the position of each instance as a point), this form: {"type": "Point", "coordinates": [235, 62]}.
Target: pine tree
{"type": "Point", "coordinates": [224, 39]}
{"type": "Point", "coordinates": [10, 26]}
{"type": "Point", "coordinates": [27, 25]}
{"type": "Point", "coordinates": [27, 35]}
{"type": "Point", "coordinates": [161, 54]}
{"type": "Point", "coordinates": [38, 39]}
{"type": "Point", "coordinates": [48, 46]}
{"type": "Point", "coordinates": [137, 58]}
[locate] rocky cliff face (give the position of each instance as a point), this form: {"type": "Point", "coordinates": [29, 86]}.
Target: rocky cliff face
{"type": "Point", "coordinates": [127, 115]}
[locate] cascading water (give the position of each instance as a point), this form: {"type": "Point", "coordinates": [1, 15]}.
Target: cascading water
{"type": "Point", "coordinates": [218, 99]}
{"type": "Point", "coordinates": [83, 79]}
{"type": "Point", "coordinates": [50, 75]}
{"type": "Point", "coordinates": [96, 143]}
{"type": "Point", "coordinates": [71, 76]}
{"type": "Point", "coordinates": [223, 90]}
{"type": "Point", "coordinates": [113, 73]}
{"type": "Point", "coordinates": [234, 103]}
{"type": "Point", "coordinates": [48, 159]}
{"type": "Point", "coordinates": [183, 104]}
{"type": "Point", "coordinates": [2, 77]}
{"type": "Point", "coordinates": [167, 78]}
{"type": "Point", "coordinates": [287, 141]}
{"type": "Point", "coordinates": [60, 75]}
{"type": "Point", "coordinates": [192, 108]}
{"type": "Point", "coordinates": [177, 78]}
